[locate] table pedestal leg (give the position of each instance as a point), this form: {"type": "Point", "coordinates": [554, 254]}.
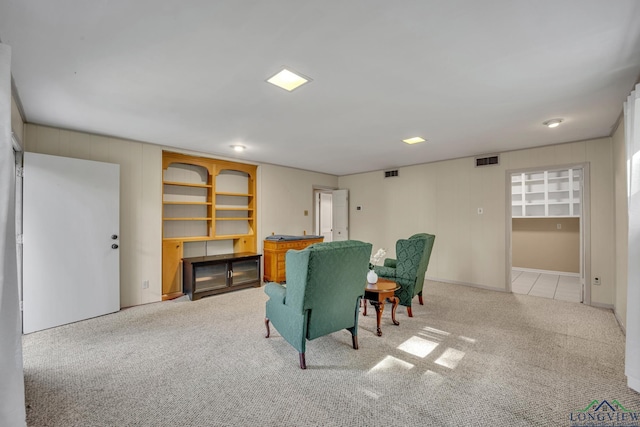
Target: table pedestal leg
{"type": "Point", "coordinates": [379, 309]}
{"type": "Point", "coordinates": [395, 302]}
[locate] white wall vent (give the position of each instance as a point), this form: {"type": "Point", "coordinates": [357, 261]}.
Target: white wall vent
{"type": "Point", "coordinates": [487, 160]}
{"type": "Point", "coordinates": [390, 174]}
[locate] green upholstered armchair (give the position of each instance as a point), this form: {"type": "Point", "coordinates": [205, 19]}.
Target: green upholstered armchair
{"type": "Point", "coordinates": [325, 282]}
{"type": "Point", "coordinates": [409, 268]}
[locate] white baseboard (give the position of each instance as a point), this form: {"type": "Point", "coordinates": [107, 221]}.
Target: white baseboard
{"type": "Point", "coordinates": [533, 270]}
{"type": "Point", "coordinates": [624, 330]}
{"type": "Point", "coordinates": [601, 305]}
{"type": "Point", "coordinates": [472, 285]}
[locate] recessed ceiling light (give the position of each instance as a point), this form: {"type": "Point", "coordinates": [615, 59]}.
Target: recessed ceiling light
{"type": "Point", "coordinates": [238, 147]}
{"type": "Point", "coordinates": [553, 123]}
{"type": "Point", "coordinates": [414, 140]}
{"type": "Point", "coordinates": [288, 80]}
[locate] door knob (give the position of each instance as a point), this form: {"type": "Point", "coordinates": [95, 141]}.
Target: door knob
{"type": "Point", "coordinates": [114, 246]}
{"type": "Point", "coordinates": [114, 236]}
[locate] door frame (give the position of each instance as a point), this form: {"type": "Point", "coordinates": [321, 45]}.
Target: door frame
{"type": "Point", "coordinates": [18, 153]}
{"type": "Point", "coordinates": [316, 190]}
{"type": "Point", "coordinates": [585, 223]}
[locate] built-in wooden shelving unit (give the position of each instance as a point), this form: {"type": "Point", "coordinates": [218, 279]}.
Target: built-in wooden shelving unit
{"type": "Point", "coordinates": [204, 200]}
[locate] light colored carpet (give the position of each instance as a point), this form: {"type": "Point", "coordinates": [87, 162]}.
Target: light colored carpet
{"type": "Point", "coordinates": [467, 357]}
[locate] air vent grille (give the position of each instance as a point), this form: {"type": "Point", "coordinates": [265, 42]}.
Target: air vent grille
{"type": "Point", "coordinates": [390, 174]}
{"type": "Point", "coordinates": [487, 160]}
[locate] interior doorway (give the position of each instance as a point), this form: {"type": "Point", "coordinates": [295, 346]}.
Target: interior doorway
{"type": "Point", "coordinates": [323, 214]}
{"type": "Point", "coordinates": [331, 213]}
{"type": "Point", "coordinates": [547, 233]}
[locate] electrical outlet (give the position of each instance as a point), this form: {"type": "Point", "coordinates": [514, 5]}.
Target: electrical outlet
{"type": "Point", "coordinates": [596, 280]}
{"type": "Point", "coordinates": [480, 211]}
{"type": "Point", "coordinates": [145, 284]}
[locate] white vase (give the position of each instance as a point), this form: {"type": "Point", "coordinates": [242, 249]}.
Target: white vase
{"type": "Point", "coordinates": [372, 277]}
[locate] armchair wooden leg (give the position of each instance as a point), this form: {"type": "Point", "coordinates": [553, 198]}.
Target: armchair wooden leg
{"type": "Point", "coordinates": [420, 298]}
{"type": "Point", "coordinates": [266, 323]}
{"type": "Point", "coordinates": [303, 363]}
{"type": "Point", "coordinates": [354, 341]}
{"type": "Point", "coordinates": [409, 312]}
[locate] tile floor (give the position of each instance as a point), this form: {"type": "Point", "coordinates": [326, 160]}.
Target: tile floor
{"type": "Point", "coordinates": [565, 288]}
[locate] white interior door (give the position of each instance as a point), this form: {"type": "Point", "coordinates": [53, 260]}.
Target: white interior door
{"type": "Point", "coordinates": [70, 240]}
{"type": "Point", "coordinates": [340, 214]}
{"type": "Point", "coordinates": [326, 220]}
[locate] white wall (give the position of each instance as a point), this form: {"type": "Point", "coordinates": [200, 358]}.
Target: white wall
{"type": "Point", "coordinates": [442, 198]}
{"type": "Point", "coordinates": [12, 409]}
{"type": "Point", "coordinates": [621, 224]}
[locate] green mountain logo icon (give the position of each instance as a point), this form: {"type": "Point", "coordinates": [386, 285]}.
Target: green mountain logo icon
{"type": "Point", "coordinates": [604, 406]}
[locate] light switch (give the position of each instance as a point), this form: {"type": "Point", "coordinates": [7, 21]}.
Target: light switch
{"type": "Point", "coordinates": [480, 211]}
{"type": "Point", "coordinates": [559, 226]}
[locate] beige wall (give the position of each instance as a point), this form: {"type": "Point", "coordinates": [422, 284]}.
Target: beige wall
{"type": "Point", "coordinates": [442, 198]}
{"type": "Point", "coordinates": [283, 196]}
{"type": "Point", "coordinates": [537, 243]}
{"type": "Point", "coordinates": [621, 223]}
{"type": "Point", "coordinates": [140, 201]}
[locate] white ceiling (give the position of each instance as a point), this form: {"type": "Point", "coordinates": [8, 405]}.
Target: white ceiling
{"type": "Point", "coordinates": [472, 77]}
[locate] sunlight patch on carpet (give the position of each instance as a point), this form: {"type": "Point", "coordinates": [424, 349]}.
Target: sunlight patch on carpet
{"type": "Point", "coordinates": [390, 363]}
{"type": "Point", "coordinates": [450, 358]}
{"type": "Point", "coordinates": [417, 346]}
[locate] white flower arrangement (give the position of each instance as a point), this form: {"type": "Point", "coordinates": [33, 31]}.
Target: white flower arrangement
{"type": "Point", "coordinates": [378, 256]}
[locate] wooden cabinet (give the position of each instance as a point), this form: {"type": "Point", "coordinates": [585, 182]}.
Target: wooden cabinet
{"type": "Point", "coordinates": [171, 255]}
{"type": "Point", "coordinates": [553, 193]}
{"type": "Point", "coordinates": [210, 275]}
{"type": "Point", "coordinates": [204, 201]}
{"type": "Point", "coordinates": [274, 255]}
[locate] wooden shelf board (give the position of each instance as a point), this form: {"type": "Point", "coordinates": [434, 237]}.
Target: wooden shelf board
{"type": "Point", "coordinates": [186, 184]}
{"type": "Point", "coordinates": [232, 236]}
{"type": "Point", "coordinates": [204, 238]}
{"type": "Point", "coordinates": [233, 209]}
{"type": "Point", "coordinates": [225, 193]}
{"type": "Point", "coordinates": [187, 203]}
{"type": "Point", "coordinates": [187, 239]}
{"type": "Point", "coordinates": [186, 219]}
{"type": "Point", "coordinates": [234, 219]}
